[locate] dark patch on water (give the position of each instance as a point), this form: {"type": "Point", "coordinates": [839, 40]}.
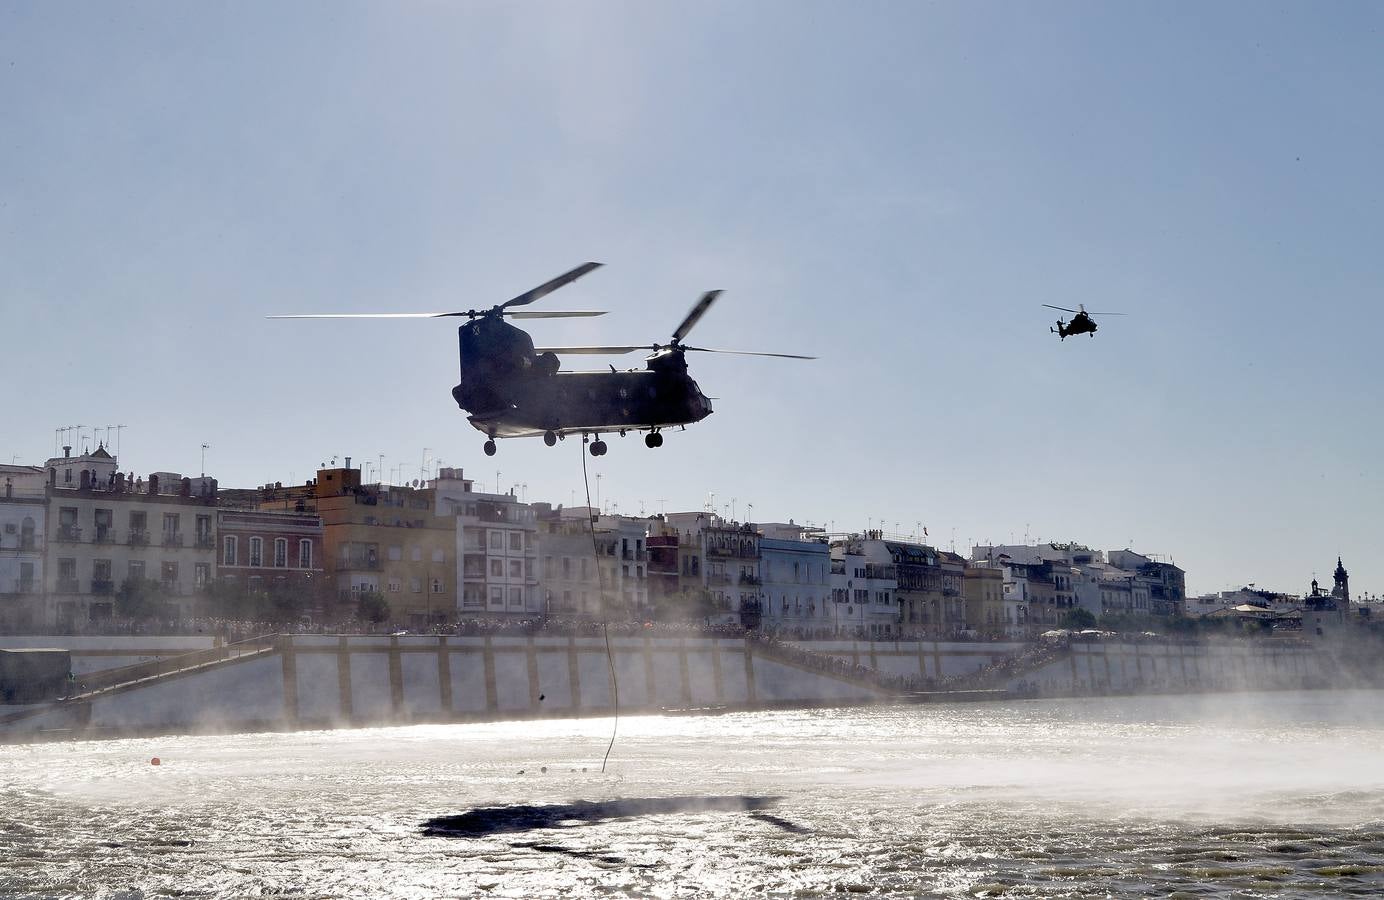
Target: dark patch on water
{"type": "Point", "coordinates": [489, 820]}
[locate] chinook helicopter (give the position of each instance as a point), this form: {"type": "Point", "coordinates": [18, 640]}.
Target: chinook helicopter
{"type": "Point", "coordinates": [1081, 321]}
{"type": "Point", "coordinates": [510, 388]}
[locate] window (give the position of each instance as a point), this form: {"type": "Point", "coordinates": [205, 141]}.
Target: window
{"type": "Point", "coordinates": [228, 551]}
{"type": "Point", "coordinates": [516, 540]}
{"type": "Point", "coordinates": [135, 572]}
{"type": "Point", "coordinates": [439, 556]}
{"type": "Point", "coordinates": [169, 573]}
{"type": "Point", "coordinates": [415, 585]}
{"type": "Point", "coordinates": [256, 551]}
{"type": "Point", "coordinates": [497, 540]}
{"type": "Point", "coordinates": [396, 553]}
{"type": "Point", "coordinates": [280, 552]}
{"type": "Point", "coordinates": [171, 523]}
{"type": "Point", "coordinates": [417, 554]}
{"type": "Point", "coordinates": [567, 567]}
{"type": "Point", "coordinates": [497, 568]}
{"type": "Point", "coordinates": [516, 596]}
{"type": "Point", "coordinates": [497, 595]}
{"type": "Point", "coordinates": [201, 574]}
{"type": "Point", "coordinates": [305, 554]}
{"type": "Point", "coordinates": [394, 585]}
{"type": "Point", "coordinates": [516, 568]}
{"type": "Point", "coordinates": [139, 522]}
{"type": "Point", "coordinates": [437, 586]}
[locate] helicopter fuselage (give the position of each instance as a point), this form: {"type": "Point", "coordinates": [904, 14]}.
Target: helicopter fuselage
{"type": "Point", "coordinates": [511, 391]}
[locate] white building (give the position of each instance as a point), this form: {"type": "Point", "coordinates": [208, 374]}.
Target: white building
{"type": "Point", "coordinates": [23, 529]}
{"type": "Point", "coordinates": [865, 588]}
{"type": "Point", "coordinates": [497, 549]}
{"type": "Point", "coordinates": [726, 564]}
{"type": "Point", "coordinates": [103, 530]}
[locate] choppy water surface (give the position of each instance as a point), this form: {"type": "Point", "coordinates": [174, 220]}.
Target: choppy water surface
{"type": "Point", "coordinates": [1264, 795]}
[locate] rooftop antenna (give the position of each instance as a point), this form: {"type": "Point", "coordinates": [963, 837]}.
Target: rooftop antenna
{"type": "Point", "coordinates": [118, 429]}
{"type": "Point", "coordinates": [599, 508]}
{"type": "Point", "coordinates": [661, 501]}
{"type": "Point", "coordinates": [205, 445]}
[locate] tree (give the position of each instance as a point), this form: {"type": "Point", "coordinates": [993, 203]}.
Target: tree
{"type": "Point", "coordinates": [1077, 619]}
{"type": "Point", "coordinates": [372, 608]}
{"type": "Point", "coordinates": [140, 599]}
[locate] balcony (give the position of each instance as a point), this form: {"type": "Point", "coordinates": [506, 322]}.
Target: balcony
{"type": "Point", "coordinates": [204, 542]}
{"type": "Point", "coordinates": [138, 538]}
{"type": "Point", "coordinates": [67, 585]}
{"type": "Point", "coordinates": [718, 578]}
{"type": "Point", "coordinates": [348, 565]}
{"type": "Point", "coordinates": [69, 533]}
{"type": "Point", "coordinates": [26, 542]}
{"type": "Point", "coordinates": [750, 579]}
{"type": "Point", "coordinates": [172, 539]}
{"type": "Point", "coordinates": [102, 586]}
{"type": "Point", "coordinates": [104, 535]}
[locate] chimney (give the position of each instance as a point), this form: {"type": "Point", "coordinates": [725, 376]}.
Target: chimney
{"type": "Point", "coordinates": [185, 488]}
{"type": "Point", "coordinates": [120, 482]}
{"type": "Point", "coordinates": [153, 485]}
{"type": "Point", "coordinates": [66, 451]}
{"type": "Point", "coordinates": [348, 462]}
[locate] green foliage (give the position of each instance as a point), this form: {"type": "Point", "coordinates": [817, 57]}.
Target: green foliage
{"type": "Point", "coordinates": [1076, 619]}
{"type": "Point", "coordinates": [140, 599]}
{"type": "Point", "coordinates": [372, 608]}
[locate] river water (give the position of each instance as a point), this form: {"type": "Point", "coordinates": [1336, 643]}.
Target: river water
{"type": "Point", "coordinates": [1246, 795]}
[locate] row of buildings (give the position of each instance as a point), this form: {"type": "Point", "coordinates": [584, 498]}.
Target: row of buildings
{"type": "Point", "coordinates": [77, 536]}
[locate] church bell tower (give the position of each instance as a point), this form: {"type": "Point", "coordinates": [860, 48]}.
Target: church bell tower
{"type": "Point", "coordinates": [1341, 587]}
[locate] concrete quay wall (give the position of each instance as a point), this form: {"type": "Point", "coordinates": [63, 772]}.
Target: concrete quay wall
{"type": "Point", "coordinates": [326, 680]}
{"type": "Point", "coordinates": [917, 659]}
{"type": "Point", "coordinates": [1113, 665]}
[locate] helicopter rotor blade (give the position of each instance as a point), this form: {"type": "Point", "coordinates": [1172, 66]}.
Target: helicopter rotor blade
{"type": "Point", "coordinates": [1106, 314]}
{"type": "Point", "coordinates": [554, 314]}
{"type": "Point", "coordinates": [591, 351]}
{"type": "Point", "coordinates": [427, 315]}
{"type": "Point", "coordinates": [1062, 308]}
{"type": "Point", "coordinates": [517, 314]}
{"type": "Point", "coordinates": [548, 287]}
{"type": "Point", "coordinates": [695, 315]}
{"type": "Point", "coordinates": [749, 353]}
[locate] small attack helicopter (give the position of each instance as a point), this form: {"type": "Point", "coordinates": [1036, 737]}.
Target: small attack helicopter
{"type": "Point", "coordinates": [511, 388]}
{"type": "Point", "coordinates": [1081, 322]}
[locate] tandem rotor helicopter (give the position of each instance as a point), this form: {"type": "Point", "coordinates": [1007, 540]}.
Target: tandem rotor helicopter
{"type": "Point", "coordinates": [511, 388]}
{"type": "Point", "coordinates": [1081, 322]}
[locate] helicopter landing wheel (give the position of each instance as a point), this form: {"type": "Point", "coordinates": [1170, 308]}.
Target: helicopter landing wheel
{"type": "Point", "coordinates": [653, 439]}
{"type": "Point", "coordinates": [489, 448]}
{"type": "Point", "coordinates": [598, 447]}
{"type": "Point", "coordinates": [550, 438]}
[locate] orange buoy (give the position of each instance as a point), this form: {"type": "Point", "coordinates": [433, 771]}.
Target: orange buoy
{"type": "Point", "coordinates": [155, 762]}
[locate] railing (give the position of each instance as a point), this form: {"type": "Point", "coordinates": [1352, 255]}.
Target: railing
{"type": "Point", "coordinates": [104, 535]}
{"type": "Point", "coordinates": [205, 542]}
{"type": "Point", "coordinates": [99, 681]}
{"type": "Point", "coordinates": [138, 538]}
{"type": "Point", "coordinates": [172, 539]}
{"type": "Point", "coordinates": [67, 585]}
{"type": "Point", "coordinates": [750, 579]}
{"type": "Point", "coordinates": [715, 578]}
{"type": "Point", "coordinates": [103, 586]}
{"type": "Point", "coordinates": [346, 565]}
{"type": "Point", "coordinates": [69, 533]}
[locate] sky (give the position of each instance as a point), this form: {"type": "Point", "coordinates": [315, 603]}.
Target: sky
{"type": "Point", "coordinates": [894, 187]}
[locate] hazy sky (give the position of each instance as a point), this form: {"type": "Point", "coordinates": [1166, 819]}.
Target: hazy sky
{"type": "Point", "coordinates": [895, 187]}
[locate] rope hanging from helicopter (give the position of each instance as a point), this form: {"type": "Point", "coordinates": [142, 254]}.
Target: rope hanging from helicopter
{"type": "Point", "coordinates": [605, 618]}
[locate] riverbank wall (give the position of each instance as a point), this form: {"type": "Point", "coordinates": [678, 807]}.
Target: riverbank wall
{"type": "Point", "coordinates": [327, 681]}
